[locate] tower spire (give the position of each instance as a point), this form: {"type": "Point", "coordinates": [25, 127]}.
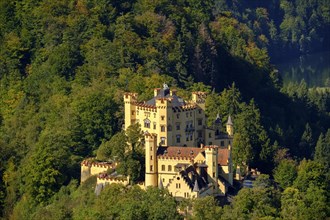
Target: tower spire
{"type": "Point", "coordinates": [230, 126]}
{"type": "Point", "coordinates": [229, 121]}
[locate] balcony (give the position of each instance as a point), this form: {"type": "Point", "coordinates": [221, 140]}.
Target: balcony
{"type": "Point", "coordinates": [189, 129]}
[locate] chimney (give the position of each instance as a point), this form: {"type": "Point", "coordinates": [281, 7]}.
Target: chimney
{"type": "Point", "coordinates": [172, 92]}
{"type": "Point", "coordinates": [156, 92]}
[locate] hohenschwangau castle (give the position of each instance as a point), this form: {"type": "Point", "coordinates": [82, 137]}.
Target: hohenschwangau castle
{"type": "Point", "coordinates": [183, 154]}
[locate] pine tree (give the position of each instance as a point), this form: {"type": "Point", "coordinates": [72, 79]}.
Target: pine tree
{"type": "Point", "coordinates": [322, 150]}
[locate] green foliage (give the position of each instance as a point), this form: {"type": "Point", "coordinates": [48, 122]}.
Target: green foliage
{"type": "Point", "coordinates": [322, 150]}
{"type": "Point", "coordinates": [94, 115]}
{"type": "Point", "coordinates": [134, 136]}
{"type": "Point", "coordinates": [115, 148]}
{"type": "Point", "coordinates": [64, 66]}
{"type": "Point", "coordinates": [310, 172]}
{"type": "Point", "coordinates": [206, 208]}
{"type": "Point", "coordinates": [251, 143]}
{"type": "Point", "coordinates": [256, 203]}
{"type": "Point", "coordinates": [119, 202]}
{"type": "Point", "coordinates": [285, 173]}
{"type": "Point", "coordinates": [309, 205]}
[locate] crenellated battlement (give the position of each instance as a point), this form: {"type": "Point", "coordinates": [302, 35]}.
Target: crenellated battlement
{"type": "Point", "coordinates": [104, 179]}
{"type": "Point", "coordinates": [175, 158]}
{"type": "Point", "coordinates": [90, 168]}
{"type": "Point", "coordinates": [90, 163]}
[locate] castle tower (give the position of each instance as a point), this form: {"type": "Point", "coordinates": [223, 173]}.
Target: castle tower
{"type": "Point", "coordinates": [164, 111]}
{"type": "Point", "coordinates": [211, 160]}
{"type": "Point", "coordinates": [230, 126]}
{"type": "Point", "coordinates": [151, 160]}
{"type": "Point", "coordinates": [130, 109]}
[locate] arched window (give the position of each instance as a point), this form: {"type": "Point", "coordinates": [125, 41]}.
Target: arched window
{"type": "Point", "coordinates": [146, 123]}
{"type": "Point", "coordinates": [169, 168]}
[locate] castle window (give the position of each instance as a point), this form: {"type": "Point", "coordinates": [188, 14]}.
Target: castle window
{"type": "Point", "coordinates": [154, 115]}
{"type": "Point", "coordinates": [147, 123]}
{"type": "Point", "coordinates": [199, 111]}
{"type": "Point", "coordinates": [163, 180]}
{"type": "Point", "coordinates": [169, 168]}
{"type": "Point", "coordinates": [200, 122]}
{"type": "Point", "coordinates": [187, 114]}
{"type": "Point", "coordinates": [178, 185]}
{"type": "Point", "coordinates": [150, 167]}
{"type": "Point", "coordinates": [150, 157]}
{"type": "Point", "coordinates": [133, 112]}
{"type": "Point", "coordinates": [169, 128]}
{"type": "Point", "coordinates": [222, 143]}
{"type": "Point", "coordinates": [163, 167]}
{"type": "Point", "coordinates": [213, 174]}
{"type": "Point", "coordinates": [162, 117]}
{"type": "Point", "coordinates": [178, 116]}
{"type": "Point", "coordinates": [177, 126]}
{"type": "Point", "coordinates": [210, 135]}
{"type": "Point", "coordinates": [178, 137]}
{"type": "Point", "coordinates": [191, 137]}
{"type": "Point", "coordinates": [150, 148]}
{"type": "Point", "coordinates": [162, 140]}
{"type": "Point", "coordinates": [190, 114]}
{"type": "Point", "coordinates": [187, 137]}
{"type": "Point", "coordinates": [162, 128]}
{"type": "Point", "coordinates": [199, 134]}
{"type": "Point", "coordinates": [154, 125]}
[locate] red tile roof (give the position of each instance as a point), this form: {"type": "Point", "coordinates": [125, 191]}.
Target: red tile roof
{"type": "Point", "coordinates": [191, 152]}
{"type": "Point", "coordinates": [188, 152]}
{"type": "Point", "coordinates": [223, 155]}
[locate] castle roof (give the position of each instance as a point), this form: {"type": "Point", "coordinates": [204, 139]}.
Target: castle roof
{"type": "Point", "coordinates": [217, 120]}
{"type": "Point", "coordinates": [194, 180]}
{"type": "Point", "coordinates": [164, 93]}
{"type": "Point", "coordinates": [175, 100]}
{"type": "Point", "coordinates": [191, 152]}
{"type": "Point", "coordinates": [223, 154]}
{"type": "Point", "coordinates": [172, 151]}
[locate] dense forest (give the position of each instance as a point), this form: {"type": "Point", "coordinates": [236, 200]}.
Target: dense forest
{"type": "Point", "coordinates": [65, 64]}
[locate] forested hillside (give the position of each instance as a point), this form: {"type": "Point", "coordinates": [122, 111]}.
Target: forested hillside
{"type": "Point", "coordinates": [65, 64]}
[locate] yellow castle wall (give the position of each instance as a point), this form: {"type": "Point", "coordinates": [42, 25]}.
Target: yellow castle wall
{"type": "Point", "coordinates": [91, 169]}
{"type": "Point", "coordinates": [167, 174]}
{"type": "Point", "coordinates": [175, 122]}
